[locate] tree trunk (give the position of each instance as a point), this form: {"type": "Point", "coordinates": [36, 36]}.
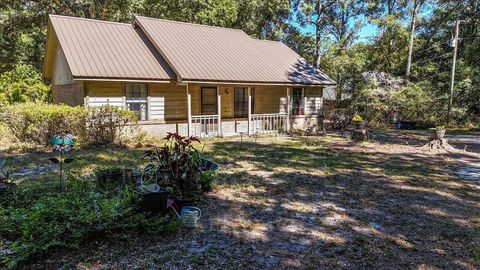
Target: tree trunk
{"type": "Point", "coordinates": [318, 27]}
{"type": "Point", "coordinates": [413, 23]}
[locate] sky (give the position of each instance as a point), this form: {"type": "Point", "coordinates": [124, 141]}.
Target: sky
{"type": "Point", "coordinates": [367, 31]}
{"type": "Point", "coordinates": [370, 30]}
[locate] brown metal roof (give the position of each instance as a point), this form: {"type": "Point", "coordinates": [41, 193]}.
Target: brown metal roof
{"type": "Point", "coordinates": [162, 50]}
{"type": "Point", "coordinates": [100, 49]}
{"type": "Point", "coordinates": [207, 53]}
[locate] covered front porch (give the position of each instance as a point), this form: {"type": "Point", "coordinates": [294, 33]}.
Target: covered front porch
{"type": "Point", "coordinates": [205, 110]}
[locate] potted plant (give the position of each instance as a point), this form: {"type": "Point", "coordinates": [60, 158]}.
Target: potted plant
{"type": "Point", "coordinates": [359, 122]}
{"type": "Point", "coordinates": [176, 166]}
{"type": "Point", "coordinates": [438, 132]}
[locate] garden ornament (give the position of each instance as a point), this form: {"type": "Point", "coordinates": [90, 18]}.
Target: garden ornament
{"type": "Point", "coordinates": [62, 142]}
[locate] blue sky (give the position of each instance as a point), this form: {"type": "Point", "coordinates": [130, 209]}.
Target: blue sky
{"type": "Point", "coordinates": [369, 30]}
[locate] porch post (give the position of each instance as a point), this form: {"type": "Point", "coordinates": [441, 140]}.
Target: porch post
{"type": "Point", "coordinates": [249, 90]}
{"type": "Point", "coordinates": [288, 109]}
{"type": "Point", "coordinates": [189, 113]}
{"type": "Point", "coordinates": [149, 111]}
{"type": "Point", "coordinates": [219, 111]}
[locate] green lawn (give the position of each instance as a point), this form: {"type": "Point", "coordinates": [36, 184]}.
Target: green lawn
{"type": "Point", "coordinates": [321, 202]}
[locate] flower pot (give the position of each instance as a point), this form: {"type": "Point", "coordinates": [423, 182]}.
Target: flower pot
{"type": "Point", "coordinates": [440, 134]}
{"type": "Point", "coordinates": [154, 203]}
{"type": "Point", "coordinates": [360, 124]}
{"type": "Point", "coordinates": [208, 165]}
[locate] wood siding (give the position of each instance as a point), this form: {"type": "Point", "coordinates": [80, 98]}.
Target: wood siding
{"type": "Point", "coordinates": [104, 89]}
{"type": "Point", "coordinates": [270, 99]}
{"type": "Point", "coordinates": [313, 101]}
{"type": "Point", "coordinates": [169, 101]}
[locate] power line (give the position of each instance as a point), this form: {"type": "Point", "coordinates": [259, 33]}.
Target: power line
{"type": "Point", "coordinates": [436, 57]}
{"type": "Point", "coordinates": [431, 47]}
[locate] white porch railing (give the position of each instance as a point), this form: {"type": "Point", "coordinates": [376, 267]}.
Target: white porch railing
{"type": "Point", "coordinates": [204, 125]}
{"type": "Point", "coordinates": [269, 122]}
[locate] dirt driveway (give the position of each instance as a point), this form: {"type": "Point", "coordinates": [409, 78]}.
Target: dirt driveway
{"type": "Point", "coordinates": [318, 203]}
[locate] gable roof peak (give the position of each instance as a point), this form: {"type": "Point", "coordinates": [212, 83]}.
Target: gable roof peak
{"type": "Point", "coordinates": [135, 17]}
{"type": "Point", "coordinates": [50, 16]}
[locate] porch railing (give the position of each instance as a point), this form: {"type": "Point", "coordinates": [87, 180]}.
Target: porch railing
{"type": "Point", "coordinates": [204, 125]}
{"type": "Point", "coordinates": [269, 122]}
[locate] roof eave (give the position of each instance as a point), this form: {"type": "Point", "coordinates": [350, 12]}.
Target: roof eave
{"type": "Point", "coordinates": [234, 82]}
{"type": "Point", "coordinates": [123, 79]}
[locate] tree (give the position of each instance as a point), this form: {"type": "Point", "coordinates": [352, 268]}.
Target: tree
{"type": "Point", "coordinates": [345, 61]}
{"type": "Point", "coordinates": [312, 13]}
{"type": "Point", "coordinates": [22, 84]}
{"type": "Point", "coordinates": [416, 5]}
{"type": "Point", "coordinates": [390, 44]}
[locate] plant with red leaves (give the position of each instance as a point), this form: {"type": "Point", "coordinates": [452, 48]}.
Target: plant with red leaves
{"type": "Point", "coordinates": [175, 166]}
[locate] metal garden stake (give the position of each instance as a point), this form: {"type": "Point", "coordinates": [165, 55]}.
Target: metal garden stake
{"type": "Point", "coordinates": [62, 142]}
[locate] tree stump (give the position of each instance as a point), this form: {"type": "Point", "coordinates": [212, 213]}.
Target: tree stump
{"type": "Point", "coordinates": [128, 177]}
{"type": "Point", "coordinates": [360, 135]}
{"type": "Point", "coordinates": [434, 143]}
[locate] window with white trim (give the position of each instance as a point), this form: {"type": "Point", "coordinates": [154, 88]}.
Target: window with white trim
{"type": "Point", "coordinates": [136, 99]}
{"type": "Point", "coordinates": [298, 101]}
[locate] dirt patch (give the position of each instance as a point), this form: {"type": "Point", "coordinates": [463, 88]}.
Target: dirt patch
{"type": "Point", "coordinates": [317, 203]}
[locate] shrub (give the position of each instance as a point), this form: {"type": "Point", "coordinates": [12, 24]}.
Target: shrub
{"type": "Point", "coordinates": [37, 122]}
{"type": "Point", "coordinates": [108, 176]}
{"type": "Point", "coordinates": [51, 219]}
{"type": "Point", "coordinates": [106, 124]}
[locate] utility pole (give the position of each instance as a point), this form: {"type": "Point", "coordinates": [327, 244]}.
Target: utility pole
{"type": "Point", "coordinates": [455, 44]}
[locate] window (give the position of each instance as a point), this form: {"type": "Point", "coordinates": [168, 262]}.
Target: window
{"type": "Point", "coordinates": [240, 102]}
{"type": "Point", "coordinates": [136, 98]}
{"type": "Point", "coordinates": [209, 100]}
{"type": "Point", "coordinates": [297, 104]}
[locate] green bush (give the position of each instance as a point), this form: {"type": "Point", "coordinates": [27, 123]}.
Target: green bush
{"type": "Point", "coordinates": [31, 226]}
{"type": "Point", "coordinates": [107, 124]}
{"type": "Point", "coordinates": [37, 122]}
{"type": "Point", "coordinates": [23, 84]}
{"type": "Point", "coordinates": [108, 176]}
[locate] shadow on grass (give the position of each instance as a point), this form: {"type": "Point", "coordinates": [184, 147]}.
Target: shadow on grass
{"type": "Point", "coordinates": [314, 205]}
{"type": "Point", "coordinates": [371, 210]}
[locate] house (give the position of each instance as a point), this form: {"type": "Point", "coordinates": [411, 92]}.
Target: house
{"type": "Point", "coordinates": [189, 78]}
